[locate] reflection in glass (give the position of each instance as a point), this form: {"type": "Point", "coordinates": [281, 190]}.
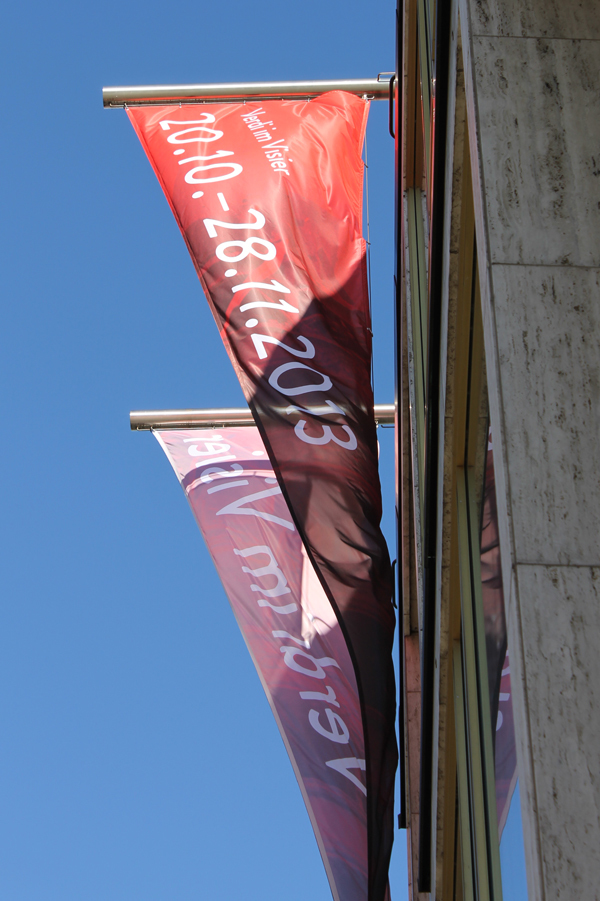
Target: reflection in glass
{"type": "Point", "coordinates": [508, 806]}
{"type": "Point", "coordinates": [512, 854]}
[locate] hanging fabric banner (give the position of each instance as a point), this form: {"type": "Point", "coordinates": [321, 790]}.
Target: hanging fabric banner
{"type": "Point", "coordinates": [268, 196]}
{"type": "Point", "coordinates": [291, 631]}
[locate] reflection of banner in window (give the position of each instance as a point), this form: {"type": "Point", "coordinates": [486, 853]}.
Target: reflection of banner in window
{"type": "Point", "coordinates": [268, 196]}
{"type": "Point", "coordinates": [505, 753]}
{"type": "Point", "coordinates": [505, 750]}
{"type": "Point", "coordinates": [291, 631]}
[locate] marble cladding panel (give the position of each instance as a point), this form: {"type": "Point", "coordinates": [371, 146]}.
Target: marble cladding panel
{"type": "Point", "coordinates": [560, 621]}
{"type": "Point", "coordinates": [576, 20]}
{"type": "Point", "coordinates": [538, 105]}
{"type": "Point", "coordinates": [548, 337]}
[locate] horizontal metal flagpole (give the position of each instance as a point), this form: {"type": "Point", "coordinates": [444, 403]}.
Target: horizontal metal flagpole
{"type": "Point", "coordinates": [238, 416]}
{"type": "Point", "coordinates": [145, 95]}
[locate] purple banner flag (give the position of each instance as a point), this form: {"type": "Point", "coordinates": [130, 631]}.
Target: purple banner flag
{"type": "Point", "coordinates": [292, 633]}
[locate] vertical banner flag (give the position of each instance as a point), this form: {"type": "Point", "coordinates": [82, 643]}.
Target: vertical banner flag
{"type": "Point", "coordinates": [268, 196]}
{"type": "Point", "coordinates": [291, 631]}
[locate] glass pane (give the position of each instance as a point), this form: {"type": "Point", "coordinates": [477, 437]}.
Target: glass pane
{"type": "Point", "coordinates": [512, 853]}
{"type": "Point", "coordinates": [510, 831]}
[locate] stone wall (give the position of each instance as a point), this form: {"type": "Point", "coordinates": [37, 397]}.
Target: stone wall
{"type": "Point", "coordinates": [532, 73]}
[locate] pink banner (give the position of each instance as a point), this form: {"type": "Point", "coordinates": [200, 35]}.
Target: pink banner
{"type": "Point", "coordinates": [291, 631]}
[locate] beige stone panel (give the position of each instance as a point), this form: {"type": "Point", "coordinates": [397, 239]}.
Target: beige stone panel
{"type": "Point", "coordinates": [548, 338]}
{"type": "Point", "coordinates": [560, 621]}
{"type": "Point", "coordinates": [538, 106]}
{"type": "Point", "coordinates": [579, 19]}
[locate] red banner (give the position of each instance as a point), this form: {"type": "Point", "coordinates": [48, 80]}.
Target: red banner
{"type": "Point", "coordinates": [291, 631]}
{"type": "Point", "coordinates": [268, 196]}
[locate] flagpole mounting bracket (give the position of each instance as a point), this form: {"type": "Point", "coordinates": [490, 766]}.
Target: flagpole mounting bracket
{"type": "Point", "coordinates": [147, 420]}
{"type": "Point", "coordinates": [165, 95]}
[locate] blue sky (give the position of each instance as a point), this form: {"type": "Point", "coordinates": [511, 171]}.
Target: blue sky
{"type": "Point", "coordinates": [138, 757]}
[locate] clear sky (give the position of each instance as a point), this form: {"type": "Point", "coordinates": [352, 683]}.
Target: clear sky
{"type": "Point", "coordinates": [139, 760]}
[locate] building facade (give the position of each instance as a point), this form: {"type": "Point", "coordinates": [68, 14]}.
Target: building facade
{"type": "Point", "coordinates": [497, 128]}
